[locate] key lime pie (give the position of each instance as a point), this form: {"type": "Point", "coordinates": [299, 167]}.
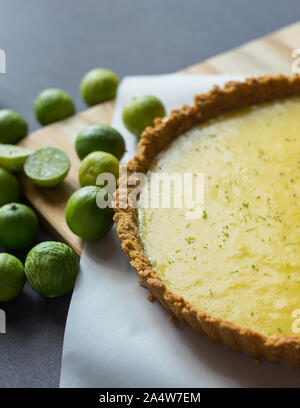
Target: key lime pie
{"type": "Point", "coordinates": [232, 273]}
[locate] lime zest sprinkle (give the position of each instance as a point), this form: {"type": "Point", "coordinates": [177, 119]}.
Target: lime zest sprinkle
{"type": "Point", "coordinates": [250, 229]}
{"type": "Point", "coordinates": [190, 240]}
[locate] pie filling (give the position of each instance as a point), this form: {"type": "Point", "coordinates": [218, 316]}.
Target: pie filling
{"type": "Point", "coordinates": [239, 261]}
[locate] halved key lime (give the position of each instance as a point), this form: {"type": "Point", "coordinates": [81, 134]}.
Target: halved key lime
{"type": "Point", "coordinates": [47, 167]}
{"type": "Point", "coordinates": [12, 158]}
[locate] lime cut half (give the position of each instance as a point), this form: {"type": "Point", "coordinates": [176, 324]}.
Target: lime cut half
{"type": "Point", "coordinates": [12, 158]}
{"type": "Point", "coordinates": [47, 167]}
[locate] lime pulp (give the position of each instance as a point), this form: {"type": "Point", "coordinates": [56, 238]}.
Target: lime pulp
{"type": "Point", "coordinates": [47, 167]}
{"type": "Point", "coordinates": [12, 158]}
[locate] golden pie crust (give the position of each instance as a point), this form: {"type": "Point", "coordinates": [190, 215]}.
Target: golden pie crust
{"type": "Point", "coordinates": [233, 96]}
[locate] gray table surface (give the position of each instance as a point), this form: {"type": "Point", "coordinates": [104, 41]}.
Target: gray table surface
{"type": "Point", "coordinates": [52, 44]}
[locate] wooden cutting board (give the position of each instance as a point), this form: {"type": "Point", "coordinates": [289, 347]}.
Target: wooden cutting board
{"type": "Point", "coordinates": [267, 55]}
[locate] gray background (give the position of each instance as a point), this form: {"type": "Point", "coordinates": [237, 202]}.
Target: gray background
{"type": "Point", "coordinates": [52, 44]}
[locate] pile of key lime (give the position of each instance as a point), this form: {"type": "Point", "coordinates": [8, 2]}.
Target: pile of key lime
{"type": "Point", "coordinates": [51, 267]}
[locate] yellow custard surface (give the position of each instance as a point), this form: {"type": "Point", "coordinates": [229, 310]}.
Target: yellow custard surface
{"type": "Point", "coordinates": [240, 261]}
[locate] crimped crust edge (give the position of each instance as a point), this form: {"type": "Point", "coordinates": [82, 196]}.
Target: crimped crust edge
{"type": "Point", "coordinates": [234, 95]}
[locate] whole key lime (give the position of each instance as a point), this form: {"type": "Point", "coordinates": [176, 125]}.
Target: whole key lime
{"type": "Point", "coordinates": [12, 126]}
{"type": "Point", "coordinates": [47, 167]}
{"type": "Point", "coordinates": [9, 187]}
{"type": "Point", "coordinates": [18, 226]}
{"type": "Point", "coordinates": [99, 85]}
{"type": "Point", "coordinates": [140, 112]}
{"type": "Point", "coordinates": [12, 158]}
{"type": "Point", "coordinates": [95, 164]}
{"type": "Point", "coordinates": [100, 138]}
{"type": "Point", "coordinates": [51, 268]}
{"type": "Point", "coordinates": [53, 105]}
{"type": "Point", "coordinates": [12, 277]}
{"type": "Point", "coordinates": [84, 216]}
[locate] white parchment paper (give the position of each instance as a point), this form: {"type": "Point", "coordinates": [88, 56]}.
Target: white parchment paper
{"type": "Point", "coordinates": [114, 336]}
